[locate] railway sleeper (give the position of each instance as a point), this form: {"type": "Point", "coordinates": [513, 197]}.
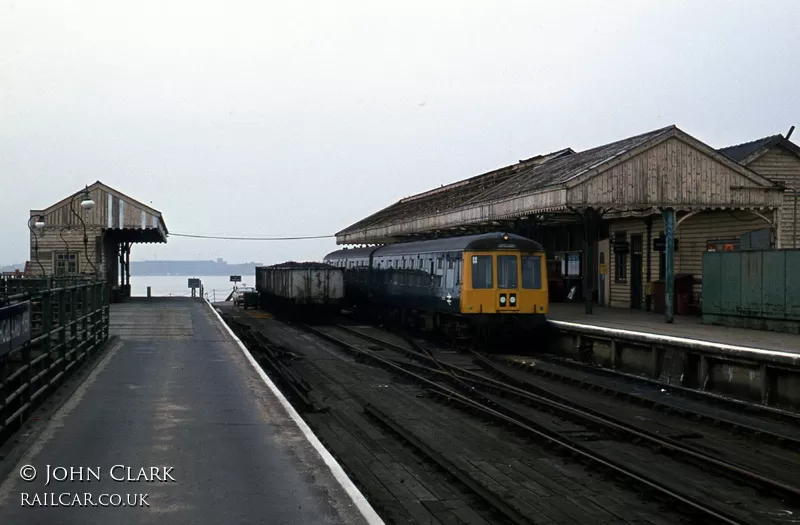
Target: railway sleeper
{"type": "Point", "coordinates": [671, 409]}
{"type": "Point", "coordinates": [574, 451]}
{"type": "Point", "coordinates": [723, 515]}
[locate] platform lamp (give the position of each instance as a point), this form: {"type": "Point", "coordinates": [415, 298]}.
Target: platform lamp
{"type": "Point", "coordinates": [33, 226]}
{"type": "Point", "coordinates": [87, 204]}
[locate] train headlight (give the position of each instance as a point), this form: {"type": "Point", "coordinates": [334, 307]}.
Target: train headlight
{"type": "Point", "coordinates": [512, 299]}
{"type": "Point", "coordinates": [502, 299]}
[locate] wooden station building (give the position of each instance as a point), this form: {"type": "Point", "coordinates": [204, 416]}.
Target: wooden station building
{"type": "Point", "coordinates": [625, 224]}
{"type": "Point", "coordinates": [88, 235]}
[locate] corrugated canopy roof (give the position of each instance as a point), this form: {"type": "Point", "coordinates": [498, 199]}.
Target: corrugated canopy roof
{"type": "Point", "coordinates": [451, 195]}
{"type": "Point", "coordinates": [537, 185]}
{"type": "Point", "coordinates": [562, 170]}
{"type": "Point", "coordinates": [523, 177]}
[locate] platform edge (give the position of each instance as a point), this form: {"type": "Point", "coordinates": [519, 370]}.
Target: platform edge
{"type": "Point", "coordinates": [360, 501]}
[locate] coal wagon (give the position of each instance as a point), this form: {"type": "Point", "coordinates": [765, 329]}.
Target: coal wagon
{"type": "Point", "coordinates": [300, 287]}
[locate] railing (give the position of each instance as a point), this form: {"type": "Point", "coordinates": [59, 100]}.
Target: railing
{"type": "Point", "coordinates": [68, 321]}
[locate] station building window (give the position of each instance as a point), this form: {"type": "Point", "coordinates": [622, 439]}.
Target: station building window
{"type": "Point", "coordinates": [66, 263]}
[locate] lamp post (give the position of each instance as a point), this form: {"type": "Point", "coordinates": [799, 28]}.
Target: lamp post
{"type": "Point", "coordinates": [33, 226]}
{"type": "Point", "coordinates": [87, 204]}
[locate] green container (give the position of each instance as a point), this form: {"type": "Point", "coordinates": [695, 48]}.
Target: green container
{"type": "Point", "coordinates": [752, 289]}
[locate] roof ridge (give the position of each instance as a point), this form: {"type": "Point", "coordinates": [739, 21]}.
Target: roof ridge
{"type": "Point", "coordinates": [564, 159]}
{"type": "Point", "coordinates": [762, 139]}
{"type": "Point", "coordinates": [497, 171]}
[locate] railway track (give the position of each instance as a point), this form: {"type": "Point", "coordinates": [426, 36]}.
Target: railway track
{"type": "Point", "coordinates": [489, 397]}
{"type": "Point", "coordinates": [614, 383]}
{"type": "Point", "coordinates": [480, 471]}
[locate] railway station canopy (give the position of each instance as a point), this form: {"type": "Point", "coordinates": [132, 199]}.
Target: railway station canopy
{"type": "Point", "coordinates": [664, 168]}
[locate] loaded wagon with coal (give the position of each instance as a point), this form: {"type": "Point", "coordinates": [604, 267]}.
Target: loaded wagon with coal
{"type": "Point", "coordinates": [300, 287]}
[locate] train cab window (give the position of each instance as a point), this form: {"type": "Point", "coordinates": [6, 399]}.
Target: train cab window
{"type": "Point", "coordinates": [507, 271]}
{"type": "Point", "coordinates": [481, 272]}
{"type": "Point", "coordinates": [531, 272]}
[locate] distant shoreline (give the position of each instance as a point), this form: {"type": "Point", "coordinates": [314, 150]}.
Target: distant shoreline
{"type": "Point", "coordinates": [180, 268]}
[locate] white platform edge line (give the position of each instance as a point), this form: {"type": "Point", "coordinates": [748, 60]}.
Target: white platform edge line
{"type": "Point", "coordinates": [675, 339]}
{"type": "Point", "coordinates": [338, 472]}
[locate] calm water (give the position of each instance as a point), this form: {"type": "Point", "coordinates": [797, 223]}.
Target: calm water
{"type": "Point", "coordinates": [178, 285]}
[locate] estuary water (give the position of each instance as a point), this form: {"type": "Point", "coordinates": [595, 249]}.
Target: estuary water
{"type": "Point", "coordinates": [216, 286]}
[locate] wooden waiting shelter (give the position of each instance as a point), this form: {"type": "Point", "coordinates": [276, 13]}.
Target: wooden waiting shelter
{"type": "Point", "coordinates": [89, 235]}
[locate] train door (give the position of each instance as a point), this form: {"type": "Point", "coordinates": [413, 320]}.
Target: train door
{"type": "Point", "coordinates": [507, 282]}
{"type": "Point", "coordinates": [449, 273]}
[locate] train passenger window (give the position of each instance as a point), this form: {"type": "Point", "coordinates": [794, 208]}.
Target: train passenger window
{"type": "Point", "coordinates": [440, 263]}
{"type": "Point", "coordinates": [450, 264]}
{"type": "Point", "coordinates": [531, 272]}
{"type": "Point", "coordinates": [507, 271]}
{"type": "Point", "coordinates": [481, 271]}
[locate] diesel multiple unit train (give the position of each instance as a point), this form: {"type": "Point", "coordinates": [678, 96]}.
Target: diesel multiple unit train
{"type": "Point", "coordinates": [470, 285]}
{"type": "Point", "coordinates": [452, 285]}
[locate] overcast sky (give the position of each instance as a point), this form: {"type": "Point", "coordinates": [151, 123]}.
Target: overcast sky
{"type": "Point", "coordinates": [299, 118]}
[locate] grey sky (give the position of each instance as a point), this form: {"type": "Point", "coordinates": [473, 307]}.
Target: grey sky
{"type": "Point", "coordinates": [300, 118]}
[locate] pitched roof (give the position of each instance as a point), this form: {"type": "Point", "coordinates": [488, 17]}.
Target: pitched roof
{"type": "Point", "coordinates": [740, 152]}
{"type": "Point", "coordinates": [524, 186]}
{"type": "Point", "coordinates": [452, 195]}
{"type": "Point", "coordinates": [564, 169]}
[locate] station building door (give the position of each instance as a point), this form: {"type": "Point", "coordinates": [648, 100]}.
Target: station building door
{"type": "Point", "coordinates": [636, 271]}
{"type": "Point", "coordinates": [603, 287]}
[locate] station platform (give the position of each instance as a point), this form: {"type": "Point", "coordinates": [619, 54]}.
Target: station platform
{"type": "Point", "coordinates": [684, 327]}
{"type": "Point", "coordinates": [177, 410]}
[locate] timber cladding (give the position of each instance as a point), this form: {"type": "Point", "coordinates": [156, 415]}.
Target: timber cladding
{"type": "Point", "coordinates": [55, 241]}
{"type": "Point", "coordinates": [693, 235]}
{"type": "Point", "coordinates": [61, 249]}
{"type": "Point", "coordinates": [111, 210]}
{"type": "Point", "coordinates": [672, 172]}
{"type": "Point", "coordinates": [783, 166]}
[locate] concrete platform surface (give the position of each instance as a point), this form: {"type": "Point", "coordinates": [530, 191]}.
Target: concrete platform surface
{"type": "Point", "coordinates": [178, 398]}
{"type": "Point", "coordinates": [688, 327]}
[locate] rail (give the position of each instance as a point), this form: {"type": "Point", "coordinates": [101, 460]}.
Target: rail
{"type": "Point", "coordinates": [50, 328]}
{"type": "Point", "coordinates": [470, 380]}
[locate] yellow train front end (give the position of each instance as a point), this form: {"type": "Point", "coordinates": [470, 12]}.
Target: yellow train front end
{"type": "Point", "coordinates": [506, 282]}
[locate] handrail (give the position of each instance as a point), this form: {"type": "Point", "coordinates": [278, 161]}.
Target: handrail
{"type": "Point", "coordinates": [69, 322]}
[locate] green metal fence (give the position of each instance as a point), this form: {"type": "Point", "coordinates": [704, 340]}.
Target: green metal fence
{"type": "Point", "coordinates": [752, 289]}
{"type": "Point", "coordinates": [48, 329]}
